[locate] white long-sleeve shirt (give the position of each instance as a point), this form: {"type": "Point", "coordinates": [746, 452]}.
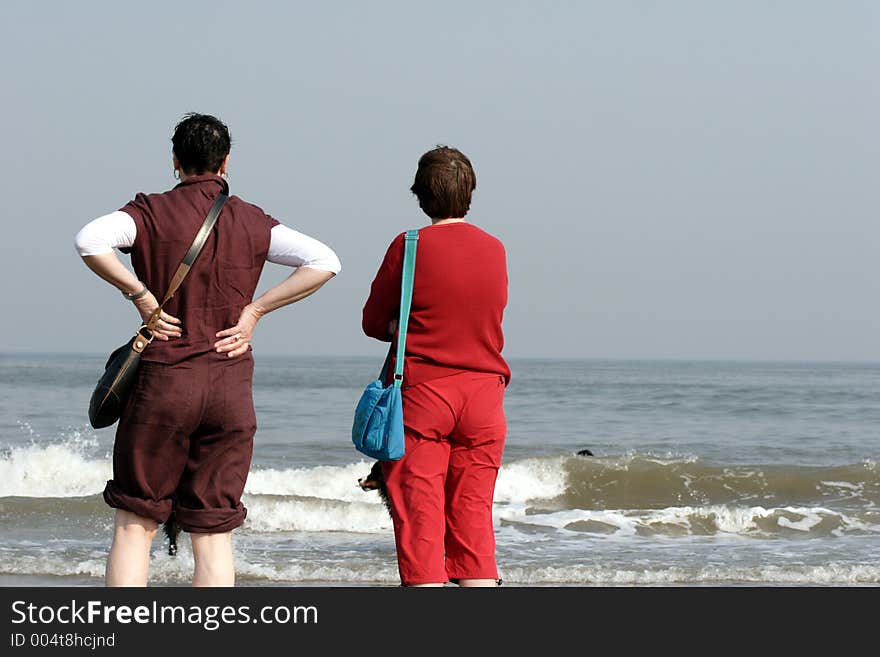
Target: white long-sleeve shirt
{"type": "Point", "coordinates": [286, 246]}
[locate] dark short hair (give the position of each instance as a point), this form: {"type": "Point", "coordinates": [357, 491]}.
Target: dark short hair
{"type": "Point", "coordinates": [444, 183]}
{"type": "Point", "coordinates": [201, 142]}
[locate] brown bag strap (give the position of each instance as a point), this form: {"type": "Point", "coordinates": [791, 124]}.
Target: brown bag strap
{"type": "Point", "coordinates": [192, 254]}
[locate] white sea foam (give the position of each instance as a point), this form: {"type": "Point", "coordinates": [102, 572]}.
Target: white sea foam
{"type": "Point", "coordinates": [530, 479]}
{"type": "Point", "coordinates": [322, 571]}
{"type": "Point", "coordinates": [178, 570]}
{"type": "Point", "coordinates": [39, 563]}
{"type": "Point", "coordinates": [789, 575]}
{"type": "Point", "coordinates": [320, 489]}
{"type": "Point", "coordinates": [317, 499]}
{"type": "Point", "coordinates": [841, 484]}
{"type": "Point", "coordinates": [328, 499]}
{"type": "Point", "coordinates": [58, 470]}
{"type": "Point", "coordinates": [324, 481]}
{"type": "Point", "coordinates": [274, 514]}
{"type": "Point", "coordinates": [722, 519]}
{"type": "Point", "coordinates": [669, 458]}
{"type": "Point", "coordinates": [66, 470]}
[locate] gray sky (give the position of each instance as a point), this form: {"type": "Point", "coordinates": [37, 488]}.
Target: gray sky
{"type": "Point", "coordinates": [671, 179]}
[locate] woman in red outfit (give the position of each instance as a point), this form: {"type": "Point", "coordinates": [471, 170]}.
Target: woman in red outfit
{"type": "Point", "coordinates": [442, 490]}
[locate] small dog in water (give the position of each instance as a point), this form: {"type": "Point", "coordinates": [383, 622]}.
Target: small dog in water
{"type": "Point", "coordinates": [376, 481]}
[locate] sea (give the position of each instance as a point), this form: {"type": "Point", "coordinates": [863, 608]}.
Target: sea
{"type": "Point", "coordinates": [701, 474]}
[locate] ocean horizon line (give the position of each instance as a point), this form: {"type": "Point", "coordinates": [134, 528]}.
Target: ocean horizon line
{"type": "Point", "coordinates": [518, 358]}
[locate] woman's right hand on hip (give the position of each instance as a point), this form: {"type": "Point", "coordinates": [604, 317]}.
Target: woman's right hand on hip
{"type": "Point", "coordinates": [167, 327]}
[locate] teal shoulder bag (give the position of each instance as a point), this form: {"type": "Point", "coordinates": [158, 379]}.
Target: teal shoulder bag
{"type": "Point", "coordinates": [377, 430]}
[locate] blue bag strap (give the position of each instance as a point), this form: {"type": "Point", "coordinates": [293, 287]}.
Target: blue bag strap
{"type": "Point", "coordinates": [411, 241]}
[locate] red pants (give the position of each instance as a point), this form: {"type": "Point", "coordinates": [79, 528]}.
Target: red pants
{"type": "Point", "coordinates": [441, 491]}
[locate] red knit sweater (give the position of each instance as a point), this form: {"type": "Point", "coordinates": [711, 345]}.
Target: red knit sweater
{"type": "Point", "coordinates": [459, 296]}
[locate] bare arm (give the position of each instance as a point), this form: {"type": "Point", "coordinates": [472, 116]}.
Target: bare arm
{"type": "Point", "coordinates": [303, 282]}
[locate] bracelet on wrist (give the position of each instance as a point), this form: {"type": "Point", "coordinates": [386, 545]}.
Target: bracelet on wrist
{"type": "Point", "coordinates": [136, 295]}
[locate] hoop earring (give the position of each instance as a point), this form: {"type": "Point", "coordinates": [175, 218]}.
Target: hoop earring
{"type": "Point", "coordinates": [177, 174]}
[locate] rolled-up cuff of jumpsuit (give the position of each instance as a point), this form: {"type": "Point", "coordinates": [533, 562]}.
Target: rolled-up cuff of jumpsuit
{"type": "Point", "coordinates": [157, 510]}
{"type": "Point", "coordinates": [210, 521]}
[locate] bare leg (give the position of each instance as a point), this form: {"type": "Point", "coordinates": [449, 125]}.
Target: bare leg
{"type": "Point", "coordinates": [128, 563]}
{"type": "Point", "coordinates": [213, 557]}
{"type": "Point", "coordinates": [423, 586]}
{"type": "Point", "coordinates": [478, 582]}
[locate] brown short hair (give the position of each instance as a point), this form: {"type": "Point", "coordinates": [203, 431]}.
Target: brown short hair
{"type": "Point", "coordinates": [444, 182]}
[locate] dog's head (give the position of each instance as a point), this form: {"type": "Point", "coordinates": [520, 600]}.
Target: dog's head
{"type": "Point", "coordinates": [375, 480]}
